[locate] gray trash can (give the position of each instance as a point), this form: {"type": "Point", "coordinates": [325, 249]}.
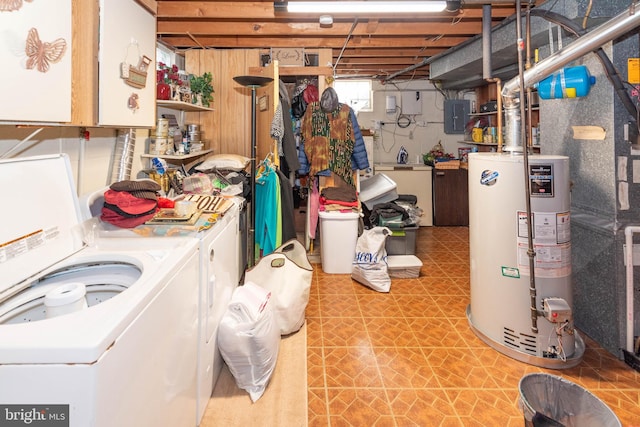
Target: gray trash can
{"type": "Point", "coordinates": [549, 400]}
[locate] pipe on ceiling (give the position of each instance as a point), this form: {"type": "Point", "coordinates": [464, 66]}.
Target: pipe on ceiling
{"type": "Point", "coordinates": [616, 27]}
{"type": "Point", "coordinates": [611, 29]}
{"type": "Point", "coordinates": [430, 59]}
{"type": "Point", "coordinates": [610, 70]}
{"type": "Point", "coordinates": [344, 46]}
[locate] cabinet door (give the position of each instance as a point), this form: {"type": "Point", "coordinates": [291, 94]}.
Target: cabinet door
{"type": "Point", "coordinates": [450, 197]}
{"type": "Point", "coordinates": [127, 34]}
{"type": "Point", "coordinates": [35, 53]}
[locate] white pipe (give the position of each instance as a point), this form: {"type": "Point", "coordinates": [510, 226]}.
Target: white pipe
{"type": "Point", "coordinates": [81, 151]}
{"type": "Point", "coordinates": [628, 234]}
{"type": "Point", "coordinates": [21, 143]}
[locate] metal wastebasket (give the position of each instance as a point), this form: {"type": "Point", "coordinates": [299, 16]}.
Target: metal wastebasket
{"type": "Point", "coordinates": [548, 400]}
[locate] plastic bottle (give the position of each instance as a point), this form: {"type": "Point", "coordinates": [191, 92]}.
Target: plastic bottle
{"type": "Point", "coordinates": [159, 165]}
{"type": "Point", "coordinates": [570, 82]}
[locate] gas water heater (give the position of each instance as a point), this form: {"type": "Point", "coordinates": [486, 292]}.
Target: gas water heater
{"type": "Point", "coordinates": [502, 311]}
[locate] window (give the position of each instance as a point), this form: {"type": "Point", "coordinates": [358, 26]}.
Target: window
{"type": "Point", "coordinates": [355, 93]}
{"type": "Point", "coordinates": [168, 56]}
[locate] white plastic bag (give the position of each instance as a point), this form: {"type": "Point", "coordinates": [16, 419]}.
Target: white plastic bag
{"type": "Point", "coordinates": [370, 262]}
{"type": "Point", "coordinates": [248, 338]}
{"type": "Point", "coordinates": [287, 273]}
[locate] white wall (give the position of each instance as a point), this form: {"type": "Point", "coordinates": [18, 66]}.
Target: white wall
{"type": "Point", "coordinates": [421, 135]}
{"type": "Point", "coordinates": [95, 160]}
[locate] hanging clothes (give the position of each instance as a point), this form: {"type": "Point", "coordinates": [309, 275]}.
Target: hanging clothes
{"type": "Point", "coordinates": [359, 158]}
{"type": "Point", "coordinates": [328, 140]}
{"type": "Point", "coordinates": [289, 147]}
{"type": "Point", "coordinates": [282, 130]}
{"type": "Point", "coordinates": [314, 207]}
{"type": "Point", "coordinates": [268, 221]}
{"type": "Point", "coordinates": [286, 207]}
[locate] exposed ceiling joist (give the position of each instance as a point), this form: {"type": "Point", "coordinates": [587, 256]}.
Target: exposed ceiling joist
{"type": "Point", "coordinates": [379, 45]}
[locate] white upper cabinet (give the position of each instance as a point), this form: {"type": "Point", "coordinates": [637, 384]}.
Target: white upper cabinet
{"type": "Point", "coordinates": [127, 83]}
{"type": "Point", "coordinates": [35, 53]}
{"type": "Point", "coordinates": [77, 63]}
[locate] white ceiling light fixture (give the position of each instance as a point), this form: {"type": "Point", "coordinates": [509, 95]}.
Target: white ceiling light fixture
{"type": "Point", "coordinates": [326, 20]}
{"type": "Point", "coordinates": [370, 6]}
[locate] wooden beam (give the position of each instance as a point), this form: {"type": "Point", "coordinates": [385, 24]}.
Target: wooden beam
{"type": "Point", "coordinates": [183, 42]}
{"type": "Point", "coordinates": [215, 9]}
{"type": "Point", "coordinates": [265, 9]}
{"type": "Point", "coordinates": [390, 53]}
{"type": "Point", "coordinates": [406, 60]}
{"type": "Point", "coordinates": [265, 29]}
{"type": "Point", "coordinates": [289, 70]}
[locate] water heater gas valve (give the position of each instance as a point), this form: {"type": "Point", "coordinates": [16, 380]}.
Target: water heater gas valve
{"type": "Point", "coordinates": [556, 310]}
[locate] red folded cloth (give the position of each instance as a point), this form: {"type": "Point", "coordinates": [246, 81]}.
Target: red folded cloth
{"type": "Point", "coordinates": [325, 201]}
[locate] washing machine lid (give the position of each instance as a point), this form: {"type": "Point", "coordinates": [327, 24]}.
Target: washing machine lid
{"type": "Point", "coordinates": [40, 217]}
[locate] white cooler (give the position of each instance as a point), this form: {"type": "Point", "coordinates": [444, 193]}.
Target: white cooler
{"type": "Point", "coordinates": [338, 237]}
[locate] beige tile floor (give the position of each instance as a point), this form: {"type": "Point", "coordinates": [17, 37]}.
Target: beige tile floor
{"type": "Point", "coordinates": [409, 358]}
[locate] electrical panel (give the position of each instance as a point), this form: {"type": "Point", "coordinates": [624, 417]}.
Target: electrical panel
{"type": "Point", "coordinates": [456, 115]}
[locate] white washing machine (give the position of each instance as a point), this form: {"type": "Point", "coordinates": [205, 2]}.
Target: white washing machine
{"type": "Point", "coordinates": [102, 335]}
{"type": "Point", "coordinates": [219, 275]}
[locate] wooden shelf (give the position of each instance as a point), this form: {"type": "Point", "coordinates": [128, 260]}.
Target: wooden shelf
{"type": "Point", "coordinates": [292, 70]}
{"type": "Point", "coordinates": [488, 144]}
{"type": "Point", "coordinates": [175, 156]}
{"type": "Point", "coordinates": [183, 106]}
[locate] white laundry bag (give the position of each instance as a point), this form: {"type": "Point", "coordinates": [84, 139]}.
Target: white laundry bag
{"type": "Point", "coordinates": [249, 339]}
{"type": "Point", "coordinates": [370, 261]}
{"type": "Point", "coordinates": [287, 273]}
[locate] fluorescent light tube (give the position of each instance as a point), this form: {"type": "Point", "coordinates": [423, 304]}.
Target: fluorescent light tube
{"type": "Point", "coordinates": [372, 6]}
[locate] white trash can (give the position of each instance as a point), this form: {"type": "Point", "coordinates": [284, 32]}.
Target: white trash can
{"type": "Point", "coordinates": [338, 237]}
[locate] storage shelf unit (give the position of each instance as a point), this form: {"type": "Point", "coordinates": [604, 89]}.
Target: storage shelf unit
{"type": "Point", "coordinates": [182, 106]}
{"type": "Point", "coordinates": [488, 93]}
{"type": "Point", "coordinates": [177, 157]}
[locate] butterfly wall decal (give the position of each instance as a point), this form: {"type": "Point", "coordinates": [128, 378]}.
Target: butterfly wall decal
{"type": "Point", "coordinates": [41, 54]}
{"type": "Point", "coordinates": [11, 5]}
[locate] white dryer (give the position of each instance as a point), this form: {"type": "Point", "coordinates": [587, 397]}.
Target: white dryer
{"type": "Point", "coordinates": [102, 335]}
{"type": "Point", "coordinates": [219, 275]}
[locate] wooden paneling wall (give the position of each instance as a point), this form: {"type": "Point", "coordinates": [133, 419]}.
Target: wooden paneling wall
{"type": "Point", "coordinates": [227, 129]}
